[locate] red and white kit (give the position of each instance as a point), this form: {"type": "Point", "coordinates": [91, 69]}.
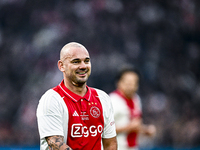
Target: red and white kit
{"type": "Point", "coordinates": [83, 121]}
{"type": "Point", "coordinates": [124, 111]}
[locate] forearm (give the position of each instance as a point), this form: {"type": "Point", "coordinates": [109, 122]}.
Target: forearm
{"type": "Point", "coordinates": [133, 126]}
{"type": "Point", "coordinates": [110, 143]}
{"type": "Point", "coordinates": [124, 129]}
{"type": "Point", "coordinates": [127, 129]}
{"type": "Point", "coordinates": [57, 143]}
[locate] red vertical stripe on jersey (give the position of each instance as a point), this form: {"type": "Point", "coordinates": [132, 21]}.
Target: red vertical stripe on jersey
{"type": "Point", "coordinates": [85, 127]}
{"type": "Point", "coordinates": [131, 137]}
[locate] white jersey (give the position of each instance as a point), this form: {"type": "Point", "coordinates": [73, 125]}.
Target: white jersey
{"type": "Point", "coordinates": [122, 115]}
{"type": "Point", "coordinates": [53, 118]}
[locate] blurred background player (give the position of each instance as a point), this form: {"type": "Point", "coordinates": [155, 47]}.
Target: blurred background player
{"type": "Point", "coordinates": [127, 110]}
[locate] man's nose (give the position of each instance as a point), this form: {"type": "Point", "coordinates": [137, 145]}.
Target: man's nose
{"type": "Point", "coordinates": [82, 65]}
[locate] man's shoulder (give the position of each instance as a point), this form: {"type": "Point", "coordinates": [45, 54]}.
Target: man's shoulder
{"type": "Point", "coordinates": [102, 95]}
{"type": "Point", "coordinates": [114, 95]}
{"type": "Point", "coordinates": [50, 94]}
{"type": "Point", "coordinates": [50, 102]}
{"type": "Point", "coordinates": [117, 100]}
{"type": "Point", "coordinates": [100, 92]}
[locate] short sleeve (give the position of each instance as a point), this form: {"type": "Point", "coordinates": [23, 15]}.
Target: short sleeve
{"type": "Point", "coordinates": [49, 115]}
{"type": "Point", "coordinates": [108, 114]}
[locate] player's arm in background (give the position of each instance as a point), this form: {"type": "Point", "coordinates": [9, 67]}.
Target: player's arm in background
{"type": "Point", "coordinates": [56, 142]}
{"type": "Point", "coordinates": [133, 126]}
{"type": "Point", "coordinates": [137, 125]}
{"type": "Point", "coordinates": [148, 129]}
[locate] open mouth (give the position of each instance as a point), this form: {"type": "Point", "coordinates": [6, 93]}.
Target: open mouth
{"type": "Point", "coordinates": [82, 73]}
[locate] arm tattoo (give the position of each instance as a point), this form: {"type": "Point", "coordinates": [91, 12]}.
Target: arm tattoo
{"type": "Point", "coordinates": [55, 142]}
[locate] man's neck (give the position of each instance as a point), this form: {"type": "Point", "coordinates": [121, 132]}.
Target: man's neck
{"type": "Point", "coordinates": [80, 90]}
{"type": "Point", "coordinates": [130, 96]}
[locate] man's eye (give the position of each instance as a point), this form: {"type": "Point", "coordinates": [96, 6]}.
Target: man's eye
{"type": "Point", "coordinates": [75, 62]}
{"type": "Point", "coordinates": [87, 60]}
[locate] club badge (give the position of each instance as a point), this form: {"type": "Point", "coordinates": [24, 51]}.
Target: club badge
{"type": "Point", "coordinates": [95, 112]}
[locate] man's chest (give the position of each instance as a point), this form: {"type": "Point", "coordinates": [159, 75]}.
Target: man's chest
{"type": "Point", "coordinates": [85, 117]}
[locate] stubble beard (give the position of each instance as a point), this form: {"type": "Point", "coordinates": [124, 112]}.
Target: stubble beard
{"type": "Point", "coordinates": [79, 82]}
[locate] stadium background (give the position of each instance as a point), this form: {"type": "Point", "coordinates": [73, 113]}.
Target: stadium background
{"type": "Point", "coordinates": [161, 38]}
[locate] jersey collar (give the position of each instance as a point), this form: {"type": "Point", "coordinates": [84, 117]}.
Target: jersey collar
{"type": "Point", "coordinates": [74, 96]}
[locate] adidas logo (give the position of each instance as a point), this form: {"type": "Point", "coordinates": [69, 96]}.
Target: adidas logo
{"type": "Point", "coordinates": [75, 113]}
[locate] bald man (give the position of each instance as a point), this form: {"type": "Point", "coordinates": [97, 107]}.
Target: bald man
{"type": "Point", "coordinates": [73, 115]}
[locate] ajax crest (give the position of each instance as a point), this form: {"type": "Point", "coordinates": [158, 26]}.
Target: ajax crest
{"type": "Point", "coordinates": [95, 112]}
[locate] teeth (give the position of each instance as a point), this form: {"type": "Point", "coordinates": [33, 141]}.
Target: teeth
{"type": "Point", "coordinates": [82, 73]}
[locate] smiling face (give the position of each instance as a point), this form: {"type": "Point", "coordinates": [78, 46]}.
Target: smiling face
{"type": "Point", "coordinates": [75, 64]}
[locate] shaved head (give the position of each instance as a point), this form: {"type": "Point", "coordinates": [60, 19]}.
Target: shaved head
{"type": "Point", "coordinates": [66, 49]}
{"type": "Point", "coordinates": [75, 64]}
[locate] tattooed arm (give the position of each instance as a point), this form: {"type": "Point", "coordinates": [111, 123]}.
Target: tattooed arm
{"type": "Point", "coordinates": [56, 142]}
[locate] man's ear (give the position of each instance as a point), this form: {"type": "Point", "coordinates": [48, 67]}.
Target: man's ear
{"type": "Point", "coordinates": [60, 65]}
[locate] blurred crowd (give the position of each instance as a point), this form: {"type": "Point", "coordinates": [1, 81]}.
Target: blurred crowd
{"type": "Point", "coordinates": [161, 38]}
